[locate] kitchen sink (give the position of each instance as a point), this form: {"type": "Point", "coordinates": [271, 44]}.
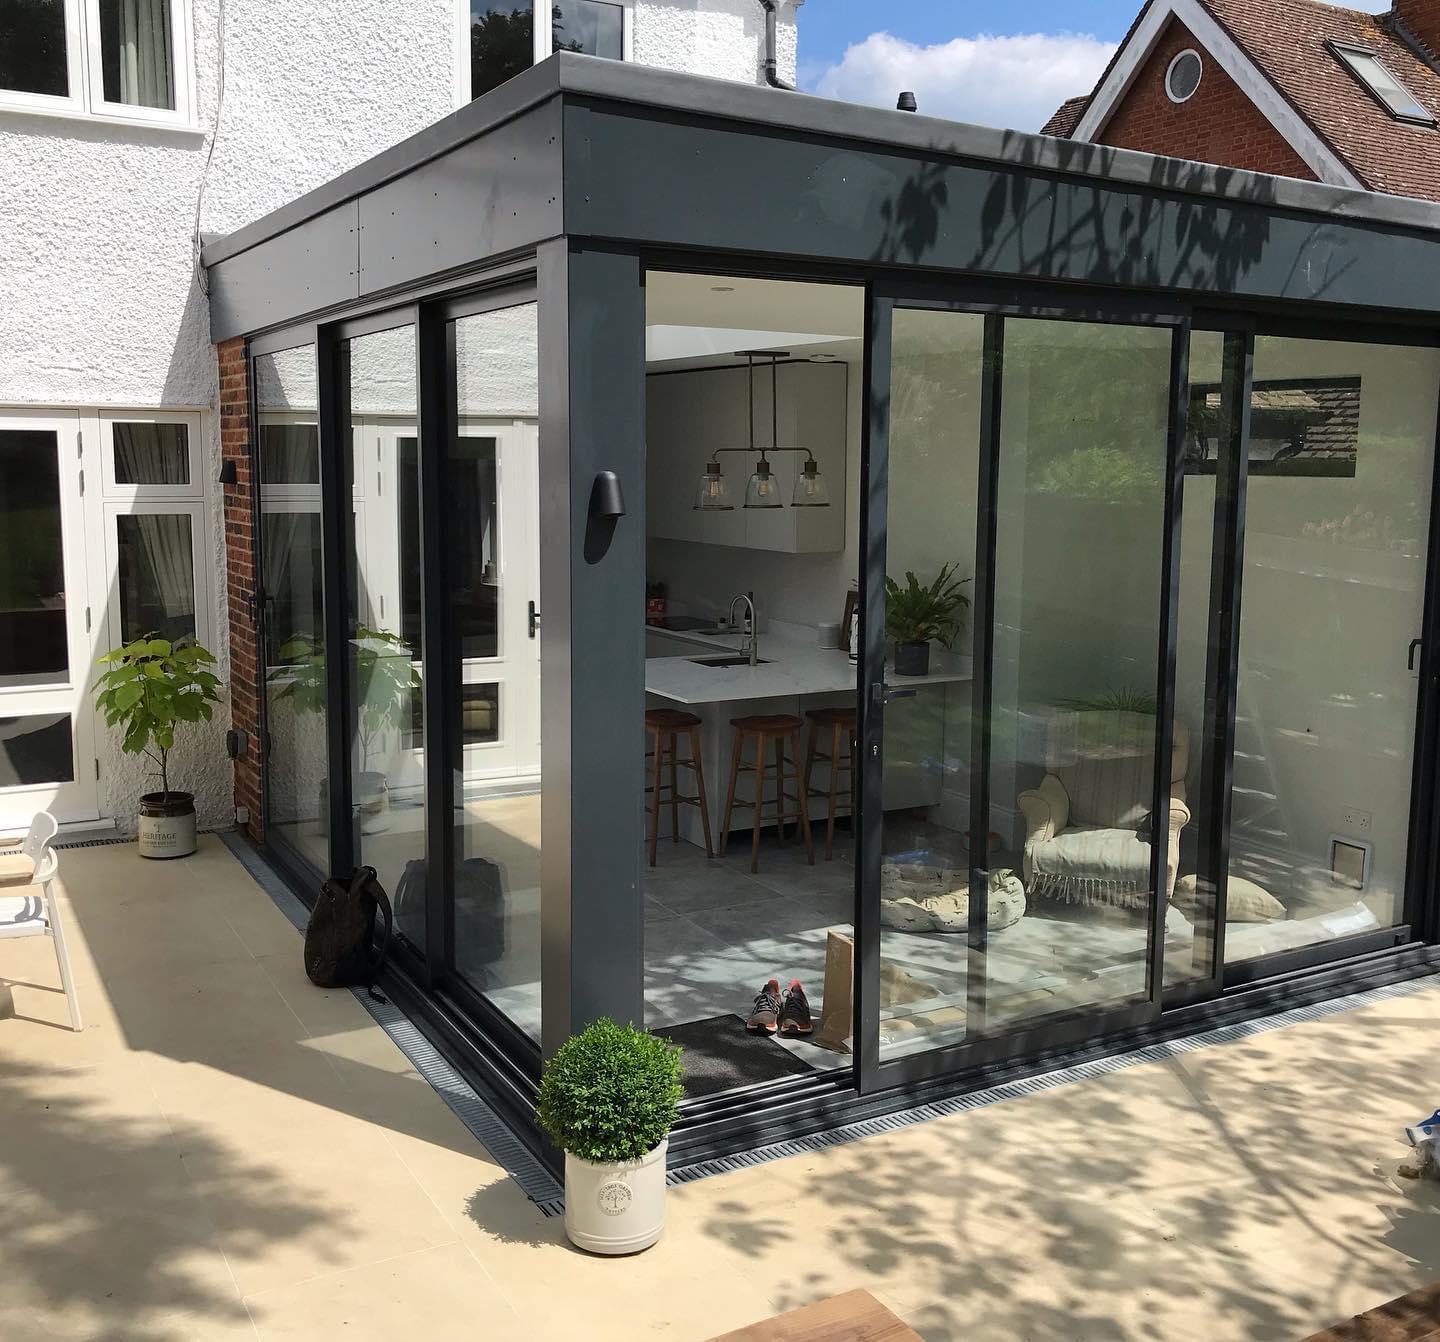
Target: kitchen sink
{"type": "Point", "coordinates": [728, 661]}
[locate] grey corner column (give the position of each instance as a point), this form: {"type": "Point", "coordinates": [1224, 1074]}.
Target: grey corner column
{"type": "Point", "coordinates": [592, 585]}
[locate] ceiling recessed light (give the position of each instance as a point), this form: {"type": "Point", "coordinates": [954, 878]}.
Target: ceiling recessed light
{"type": "Point", "coordinates": [722, 288]}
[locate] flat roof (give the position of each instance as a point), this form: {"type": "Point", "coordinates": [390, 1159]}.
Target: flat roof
{"type": "Point", "coordinates": [804, 115]}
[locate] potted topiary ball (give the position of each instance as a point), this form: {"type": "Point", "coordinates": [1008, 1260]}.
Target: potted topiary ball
{"type": "Point", "coordinates": [608, 1099]}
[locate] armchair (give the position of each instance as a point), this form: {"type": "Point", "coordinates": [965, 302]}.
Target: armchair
{"type": "Point", "coordinates": [1088, 823]}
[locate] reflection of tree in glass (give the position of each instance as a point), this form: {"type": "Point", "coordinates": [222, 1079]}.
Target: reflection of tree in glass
{"type": "Point", "coordinates": [501, 46]}
{"type": "Point", "coordinates": [557, 28]}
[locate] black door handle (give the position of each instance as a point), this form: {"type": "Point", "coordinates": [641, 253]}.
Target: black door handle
{"type": "Point", "coordinates": [1410, 660]}
{"type": "Point", "coordinates": [534, 619]}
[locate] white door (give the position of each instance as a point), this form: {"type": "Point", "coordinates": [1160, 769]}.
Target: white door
{"type": "Point", "coordinates": [47, 649]}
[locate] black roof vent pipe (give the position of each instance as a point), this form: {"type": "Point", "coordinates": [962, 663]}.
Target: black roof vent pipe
{"type": "Point", "coordinates": [907, 103]}
{"type": "Point", "coordinates": [772, 60]}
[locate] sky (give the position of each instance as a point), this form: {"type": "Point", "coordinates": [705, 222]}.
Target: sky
{"type": "Point", "coordinates": [997, 63]}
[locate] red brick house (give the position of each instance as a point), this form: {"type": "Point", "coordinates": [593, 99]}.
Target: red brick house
{"type": "Point", "coordinates": [1299, 88]}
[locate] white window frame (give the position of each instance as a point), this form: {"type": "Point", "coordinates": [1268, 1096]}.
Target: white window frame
{"type": "Point", "coordinates": [1170, 75]}
{"type": "Point", "coordinates": [544, 39]}
{"type": "Point", "coordinates": [86, 99]}
{"type": "Point", "coordinates": [199, 550]}
{"type": "Point", "coordinates": [138, 493]}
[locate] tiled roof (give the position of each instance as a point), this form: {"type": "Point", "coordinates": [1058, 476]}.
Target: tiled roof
{"type": "Point", "coordinates": [1067, 117]}
{"type": "Point", "coordinates": [1287, 39]}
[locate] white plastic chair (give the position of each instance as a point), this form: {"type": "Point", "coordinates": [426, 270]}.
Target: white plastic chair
{"type": "Point", "coordinates": [31, 915]}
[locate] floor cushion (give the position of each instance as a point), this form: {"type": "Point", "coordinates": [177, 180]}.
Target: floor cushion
{"type": "Point", "coordinates": [937, 899]}
{"type": "Point", "coordinates": [1245, 902]}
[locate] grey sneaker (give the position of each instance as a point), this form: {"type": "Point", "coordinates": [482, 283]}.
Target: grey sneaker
{"type": "Point", "coordinates": [795, 1014]}
{"type": "Point", "coordinates": [766, 1011]}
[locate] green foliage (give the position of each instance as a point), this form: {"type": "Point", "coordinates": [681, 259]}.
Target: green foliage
{"type": "Point", "coordinates": [611, 1093]}
{"type": "Point", "coordinates": [385, 684]}
{"type": "Point", "coordinates": [151, 685]}
{"type": "Point", "coordinates": [1102, 474]}
{"type": "Point", "coordinates": [1127, 699]}
{"type": "Point", "coordinates": [916, 614]}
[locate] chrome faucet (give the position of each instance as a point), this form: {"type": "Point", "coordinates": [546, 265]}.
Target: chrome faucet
{"type": "Point", "coordinates": [751, 643]}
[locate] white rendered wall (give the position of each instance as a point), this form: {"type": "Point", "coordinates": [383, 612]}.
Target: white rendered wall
{"type": "Point", "coordinates": [99, 305]}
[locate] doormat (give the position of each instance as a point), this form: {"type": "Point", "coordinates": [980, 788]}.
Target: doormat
{"type": "Point", "coordinates": [720, 1055]}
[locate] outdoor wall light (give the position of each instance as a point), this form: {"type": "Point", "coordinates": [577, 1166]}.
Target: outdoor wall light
{"type": "Point", "coordinates": [228, 475]}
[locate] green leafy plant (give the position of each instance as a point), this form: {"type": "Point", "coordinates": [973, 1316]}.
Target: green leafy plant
{"type": "Point", "coordinates": [611, 1093]}
{"type": "Point", "coordinates": [1126, 699]}
{"type": "Point", "coordinates": [151, 685]}
{"type": "Point", "coordinates": [385, 683]}
{"type": "Point", "coordinates": [917, 614]}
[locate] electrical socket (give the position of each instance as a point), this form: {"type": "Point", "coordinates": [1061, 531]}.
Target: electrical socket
{"type": "Point", "coordinates": [1358, 820]}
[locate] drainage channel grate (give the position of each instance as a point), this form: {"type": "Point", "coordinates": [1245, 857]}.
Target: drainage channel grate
{"type": "Point", "coordinates": [1035, 1085]}
{"type": "Point", "coordinates": [537, 1183]}
{"type": "Point", "coordinates": [111, 839]}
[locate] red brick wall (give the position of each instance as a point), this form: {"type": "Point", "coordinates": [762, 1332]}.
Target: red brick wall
{"type": "Point", "coordinates": [1218, 125]}
{"type": "Point", "coordinates": [240, 575]}
{"type": "Point", "coordinates": [1422, 17]}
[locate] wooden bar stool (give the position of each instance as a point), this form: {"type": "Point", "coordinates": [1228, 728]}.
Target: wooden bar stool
{"type": "Point", "coordinates": [778, 730]}
{"type": "Point", "coordinates": [840, 722]}
{"type": "Point", "coordinates": [665, 726]}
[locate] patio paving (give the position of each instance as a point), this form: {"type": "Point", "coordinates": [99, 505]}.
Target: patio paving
{"type": "Point", "coordinates": [228, 1152]}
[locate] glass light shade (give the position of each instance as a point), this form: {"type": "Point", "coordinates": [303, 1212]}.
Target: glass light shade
{"type": "Point", "coordinates": [811, 491]}
{"type": "Point", "coordinates": [762, 491]}
{"type": "Point", "coordinates": [713, 496]}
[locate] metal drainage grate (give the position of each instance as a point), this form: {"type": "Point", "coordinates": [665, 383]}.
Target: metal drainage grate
{"type": "Point", "coordinates": [537, 1183]}
{"type": "Point", "coordinates": [1035, 1085]}
{"type": "Point", "coordinates": [111, 839]}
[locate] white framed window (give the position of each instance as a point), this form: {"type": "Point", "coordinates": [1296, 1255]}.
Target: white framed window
{"type": "Point", "coordinates": [151, 455]}
{"type": "Point", "coordinates": [497, 39]}
{"type": "Point", "coordinates": [115, 60]}
{"type": "Point", "coordinates": [1182, 78]}
{"type": "Point", "coordinates": [1382, 85]}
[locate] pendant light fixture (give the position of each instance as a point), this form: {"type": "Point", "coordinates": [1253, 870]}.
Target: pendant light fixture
{"type": "Point", "coordinates": [762, 491]}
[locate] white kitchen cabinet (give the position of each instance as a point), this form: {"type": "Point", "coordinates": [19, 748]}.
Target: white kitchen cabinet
{"type": "Point", "coordinates": [692, 413]}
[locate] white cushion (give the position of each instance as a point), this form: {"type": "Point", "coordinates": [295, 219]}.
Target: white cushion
{"type": "Point", "coordinates": [1245, 902]}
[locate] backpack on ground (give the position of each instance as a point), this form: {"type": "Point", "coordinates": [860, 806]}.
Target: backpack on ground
{"type": "Point", "coordinates": [340, 950]}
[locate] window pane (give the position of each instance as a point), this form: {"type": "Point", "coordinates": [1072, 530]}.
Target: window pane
{"type": "Point", "coordinates": [136, 60]}
{"type": "Point", "coordinates": [290, 454]}
{"type": "Point", "coordinates": [294, 645]}
{"type": "Point", "coordinates": [502, 42]}
{"type": "Point", "coordinates": [590, 27]}
{"type": "Point", "coordinates": [1371, 71]}
{"type": "Point", "coordinates": [383, 660]}
{"type": "Point", "coordinates": [151, 454]}
{"type": "Point", "coordinates": [32, 47]}
{"type": "Point", "coordinates": [33, 648]}
{"type": "Point", "coordinates": [492, 574]}
{"type": "Point", "coordinates": [1336, 516]}
{"type": "Point", "coordinates": [36, 749]}
{"type": "Point", "coordinates": [156, 576]}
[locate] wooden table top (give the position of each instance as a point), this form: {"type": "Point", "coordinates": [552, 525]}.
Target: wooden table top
{"type": "Point", "coordinates": [855, 1316]}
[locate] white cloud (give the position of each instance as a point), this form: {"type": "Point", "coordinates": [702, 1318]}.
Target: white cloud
{"type": "Point", "coordinates": [1015, 82]}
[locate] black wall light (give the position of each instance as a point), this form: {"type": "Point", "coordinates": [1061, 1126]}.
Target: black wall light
{"type": "Point", "coordinates": [607, 499]}
{"type": "Point", "coordinates": [227, 471]}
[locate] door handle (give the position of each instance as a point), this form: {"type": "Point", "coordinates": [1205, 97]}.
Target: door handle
{"type": "Point", "coordinates": [881, 694]}
{"type": "Point", "coordinates": [1410, 660]}
{"type": "Point", "coordinates": [534, 619]}
{"type": "Point", "coordinates": [899, 694]}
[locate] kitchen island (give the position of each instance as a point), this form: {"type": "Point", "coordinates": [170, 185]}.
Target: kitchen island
{"type": "Point", "coordinates": [794, 674]}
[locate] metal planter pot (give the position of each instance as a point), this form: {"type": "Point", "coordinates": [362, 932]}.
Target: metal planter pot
{"type": "Point", "coordinates": [167, 824]}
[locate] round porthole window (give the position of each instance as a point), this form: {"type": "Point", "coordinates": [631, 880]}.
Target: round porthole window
{"type": "Point", "coordinates": [1183, 76]}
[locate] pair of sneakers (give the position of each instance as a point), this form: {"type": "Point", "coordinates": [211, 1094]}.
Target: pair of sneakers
{"type": "Point", "coordinates": [773, 1015]}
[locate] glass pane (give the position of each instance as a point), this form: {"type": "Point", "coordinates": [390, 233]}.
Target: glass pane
{"type": "Point", "coordinates": [1336, 512]}
{"type": "Point", "coordinates": [156, 576]}
{"type": "Point", "coordinates": [151, 454]}
{"type": "Point", "coordinates": [492, 576]}
{"type": "Point", "coordinates": [936, 379]}
{"type": "Point", "coordinates": [502, 42]}
{"type": "Point", "coordinates": [33, 647]}
{"type": "Point", "coordinates": [36, 749]}
{"type": "Point", "coordinates": [1084, 434]}
{"type": "Point", "coordinates": [136, 60]}
{"type": "Point", "coordinates": [32, 47]}
{"type": "Point", "coordinates": [590, 27]}
{"type": "Point", "coordinates": [383, 665]}
{"type": "Point", "coordinates": [289, 453]}
{"type": "Point", "coordinates": [297, 788]}
{"type": "Point", "coordinates": [1190, 923]}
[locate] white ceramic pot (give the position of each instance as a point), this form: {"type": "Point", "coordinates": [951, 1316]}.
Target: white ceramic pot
{"type": "Point", "coordinates": [615, 1208]}
{"type": "Point", "coordinates": [167, 825]}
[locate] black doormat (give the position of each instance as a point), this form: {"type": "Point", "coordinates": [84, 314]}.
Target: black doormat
{"type": "Point", "coordinates": [720, 1055]}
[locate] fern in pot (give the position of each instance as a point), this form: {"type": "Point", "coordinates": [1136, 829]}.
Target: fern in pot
{"type": "Point", "coordinates": [918, 614]}
{"type": "Point", "coordinates": [608, 1099]}
{"type": "Point", "coordinates": [147, 688]}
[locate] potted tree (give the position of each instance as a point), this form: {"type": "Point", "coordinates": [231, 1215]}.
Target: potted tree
{"type": "Point", "coordinates": [608, 1099]}
{"type": "Point", "coordinates": [385, 682]}
{"type": "Point", "coordinates": [151, 685]}
{"type": "Point", "coordinates": [915, 614]}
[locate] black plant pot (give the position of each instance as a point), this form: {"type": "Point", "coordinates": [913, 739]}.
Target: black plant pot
{"type": "Point", "coordinates": [912, 659]}
{"type": "Point", "coordinates": [167, 825]}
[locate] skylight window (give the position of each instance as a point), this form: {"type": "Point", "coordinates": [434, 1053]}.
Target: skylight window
{"type": "Point", "coordinates": [1388, 91]}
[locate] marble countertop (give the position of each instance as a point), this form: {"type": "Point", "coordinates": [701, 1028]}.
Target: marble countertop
{"type": "Point", "coordinates": [789, 668]}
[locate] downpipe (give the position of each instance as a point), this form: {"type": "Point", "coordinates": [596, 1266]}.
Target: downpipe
{"type": "Point", "coordinates": [772, 61]}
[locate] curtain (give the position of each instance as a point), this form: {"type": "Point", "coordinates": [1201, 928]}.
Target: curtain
{"type": "Point", "coordinates": [143, 52]}
{"type": "Point", "coordinates": [151, 454]}
{"type": "Point", "coordinates": [160, 592]}
{"type": "Point", "coordinates": [289, 454]}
